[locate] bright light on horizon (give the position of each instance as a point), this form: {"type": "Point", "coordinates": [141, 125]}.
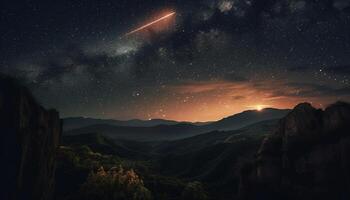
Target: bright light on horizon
{"type": "Point", "coordinates": [259, 107]}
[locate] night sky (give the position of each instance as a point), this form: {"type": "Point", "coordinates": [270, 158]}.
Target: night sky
{"type": "Point", "coordinates": [213, 58]}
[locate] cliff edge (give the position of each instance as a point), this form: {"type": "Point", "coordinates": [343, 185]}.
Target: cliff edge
{"type": "Point", "coordinates": [308, 157]}
{"type": "Point", "coordinates": [29, 139]}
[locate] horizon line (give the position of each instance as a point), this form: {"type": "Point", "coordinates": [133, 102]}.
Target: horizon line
{"type": "Point", "coordinates": [174, 120]}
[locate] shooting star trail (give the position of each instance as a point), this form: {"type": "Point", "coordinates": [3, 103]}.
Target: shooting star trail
{"type": "Point", "coordinates": [150, 24]}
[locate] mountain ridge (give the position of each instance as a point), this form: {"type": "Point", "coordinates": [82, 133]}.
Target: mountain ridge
{"type": "Point", "coordinates": [78, 122]}
{"type": "Point", "coordinates": [233, 122]}
{"type": "Point", "coordinates": [172, 130]}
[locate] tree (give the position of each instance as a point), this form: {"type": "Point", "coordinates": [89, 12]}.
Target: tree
{"type": "Point", "coordinates": [114, 184]}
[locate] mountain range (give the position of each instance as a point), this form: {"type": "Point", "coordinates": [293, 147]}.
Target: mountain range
{"type": "Point", "coordinates": [213, 158]}
{"type": "Point", "coordinates": [270, 154]}
{"type": "Point", "coordinates": [71, 123]}
{"type": "Point", "coordinates": [303, 155]}
{"type": "Point", "coordinates": [159, 130]}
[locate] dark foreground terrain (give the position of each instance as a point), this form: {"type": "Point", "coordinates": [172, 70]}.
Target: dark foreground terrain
{"type": "Point", "coordinates": [29, 140]}
{"type": "Point", "coordinates": [211, 161]}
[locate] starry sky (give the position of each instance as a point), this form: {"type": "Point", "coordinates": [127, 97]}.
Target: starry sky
{"type": "Point", "coordinates": [213, 58]}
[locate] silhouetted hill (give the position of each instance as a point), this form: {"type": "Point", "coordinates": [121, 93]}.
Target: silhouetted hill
{"type": "Point", "coordinates": [198, 142]}
{"type": "Point", "coordinates": [155, 133]}
{"type": "Point", "coordinates": [307, 157]}
{"type": "Point", "coordinates": [246, 118]}
{"type": "Point", "coordinates": [102, 144]}
{"type": "Point", "coordinates": [173, 131]}
{"type": "Point", "coordinates": [79, 122]}
{"type": "Point", "coordinates": [213, 158]}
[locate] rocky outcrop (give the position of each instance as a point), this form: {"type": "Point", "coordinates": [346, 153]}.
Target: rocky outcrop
{"type": "Point", "coordinates": [29, 138]}
{"type": "Point", "coordinates": [308, 157]}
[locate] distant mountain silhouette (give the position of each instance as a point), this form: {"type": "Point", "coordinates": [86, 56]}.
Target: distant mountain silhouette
{"type": "Point", "coordinates": [79, 122]}
{"type": "Point", "coordinates": [140, 130]}
{"type": "Point", "coordinates": [199, 142]}
{"type": "Point", "coordinates": [102, 144]}
{"type": "Point", "coordinates": [154, 133]}
{"type": "Point", "coordinates": [246, 118]}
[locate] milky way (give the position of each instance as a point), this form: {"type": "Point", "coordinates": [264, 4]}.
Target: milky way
{"type": "Point", "coordinates": [216, 58]}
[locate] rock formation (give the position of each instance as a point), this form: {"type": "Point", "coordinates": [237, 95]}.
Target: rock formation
{"type": "Point", "coordinates": [308, 157]}
{"type": "Point", "coordinates": [29, 138]}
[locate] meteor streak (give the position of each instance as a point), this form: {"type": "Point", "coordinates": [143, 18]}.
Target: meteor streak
{"type": "Point", "coordinates": [149, 24]}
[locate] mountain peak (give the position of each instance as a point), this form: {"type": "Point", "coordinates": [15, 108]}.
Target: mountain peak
{"type": "Point", "coordinates": [310, 144]}
{"type": "Point", "coordinates": [304, 106]}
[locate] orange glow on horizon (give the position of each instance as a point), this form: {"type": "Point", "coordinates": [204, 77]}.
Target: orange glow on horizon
{"type": "Point", "coordinates": [210, 101]}
{"type": "Point", "coordinates": [217, 99]}
{"type": "Point", "coordinates": [259, 107]}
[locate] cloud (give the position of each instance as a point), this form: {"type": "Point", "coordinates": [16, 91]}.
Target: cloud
{"type": "Point", "coordinates": [337, 69]}
{"type": "Point", "coordinates": [317, 90]}
{"type": "Point", "coordinates": [297, 6]}
{"type": "Point", "coordinates": [225, 5]}
{"type": "Point", "coordinates": [72, 67]}
{"type": "Point", "coordinates": [115, 47]}
{"type": "Point", "coordinates": [281, 89]}
{"type": "Point", "coordinates": [204, 87]}
{"type": "Point", "coordinates": [340, 69]}
{"type": "Point", "coordinates": [238, 97]}
{"type": "Point", "coordinates": [341, 4]}
{"type": "Point", "coordinates": [235, 77]}
{"type": "Point", "coordinates": [211, 40]}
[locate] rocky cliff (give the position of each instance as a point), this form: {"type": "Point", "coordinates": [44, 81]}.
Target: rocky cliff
{"type": "Point", "coordinates": [29, 138]}
{"type": "Point", "coordinates": [308, 157]}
